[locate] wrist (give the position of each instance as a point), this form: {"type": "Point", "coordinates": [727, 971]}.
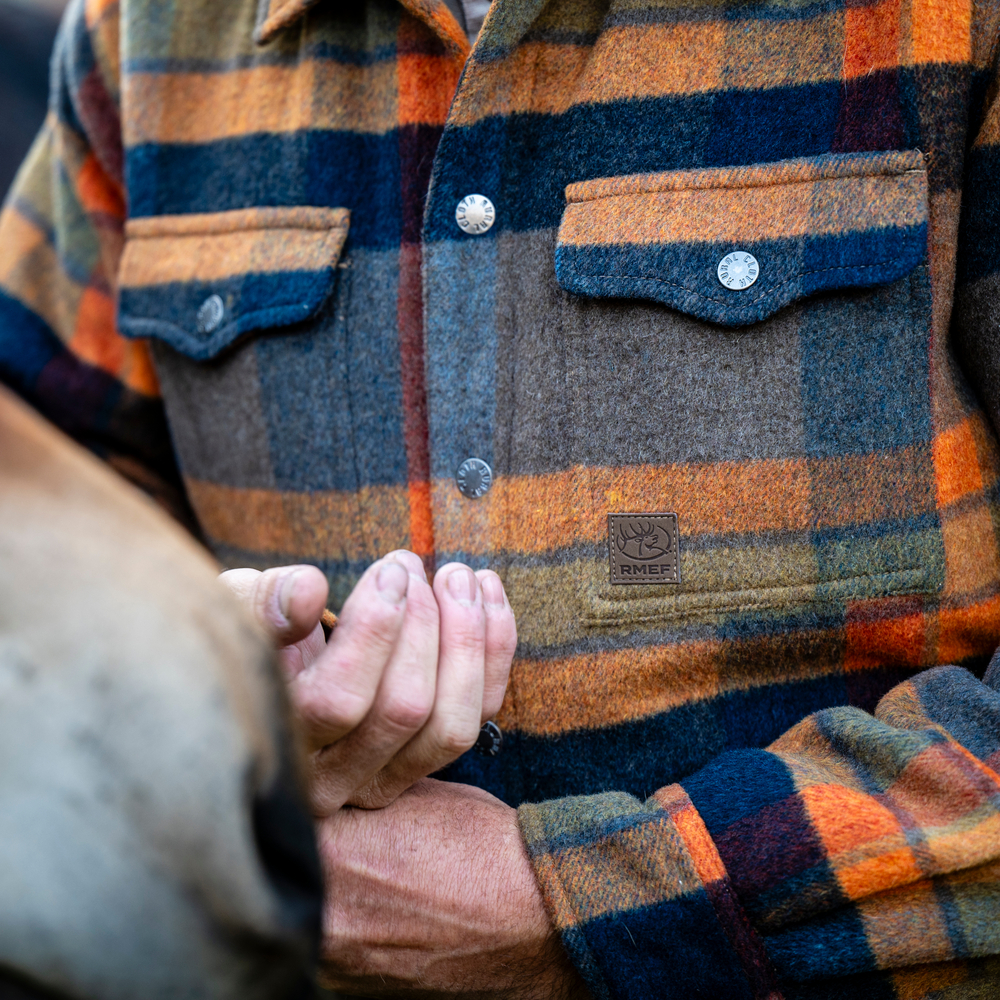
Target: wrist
{"type": "Point", "coordinates": [435, 895]}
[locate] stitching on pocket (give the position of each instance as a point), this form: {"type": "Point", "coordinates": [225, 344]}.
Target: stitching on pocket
{"type": "Point", "coordinates": [650, 189]}
{"type": "Point", "coordinates": [781, 599]}
{"type": "Point", "coordinates": [244, 219]}
{"type": "Point", "coordinates": [851, 168]}
{"type": "Point", "coordinates": [747, 301]}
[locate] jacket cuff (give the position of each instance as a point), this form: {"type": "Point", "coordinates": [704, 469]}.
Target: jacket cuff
{"type": "Point", "coordinates": [642, 899]}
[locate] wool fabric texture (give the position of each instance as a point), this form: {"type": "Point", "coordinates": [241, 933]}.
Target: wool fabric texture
{"type": "Point", "coordinates": [776, 778]}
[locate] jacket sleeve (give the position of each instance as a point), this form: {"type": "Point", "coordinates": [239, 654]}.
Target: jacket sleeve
{"type": "Point", "coordinates": [858, 849]}
{"type": "Point", "coordinates": [61, 235]}
{"type": "Point", "coordinates": [856, 857]}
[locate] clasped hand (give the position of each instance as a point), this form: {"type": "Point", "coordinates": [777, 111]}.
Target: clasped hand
{"type": "Point", "coordinates": [429, 890]}
{"type": "Point", "coordinates": [408, 677]}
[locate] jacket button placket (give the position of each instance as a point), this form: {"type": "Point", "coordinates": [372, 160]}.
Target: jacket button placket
{"type": "Point", "coordinates": [462, 221]}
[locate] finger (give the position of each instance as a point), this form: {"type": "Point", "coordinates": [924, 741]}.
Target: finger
{"type": "Point", "coordinates": [335, 693]}
{"type": "Point", "coordinates": [455, 719]}
{"type": "Point", "coordinates": [501, 642]}
{"type": "Point", "coordinates": [402, 705]}
{"type": "Point", "coordinates": [295, 658]}
{"type": "Point", "coordinates": [454, 722]}
{"type": "Point", "coordinates": [287, 601]}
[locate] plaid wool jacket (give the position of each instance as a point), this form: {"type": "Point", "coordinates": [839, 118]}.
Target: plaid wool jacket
{"type": "Point", "coordinates": [232, 266]}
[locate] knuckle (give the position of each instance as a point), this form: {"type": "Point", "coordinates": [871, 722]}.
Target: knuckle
{"type": "Point", "coordinates": [339, 711]}
{"type": "Point", "coordinates": [406, 711]}
{"type": "Point", "coordinates": [467, 636]}
{"type": "Point", "coordinates": [457, 736]}
{"type": "Point", "coordinates": [376, 625]}
{"type": "Point", "coordinates": [349, 710]}
{"type": "Point", "coordinates": [423, 609]}
{"type": "Point", "coordinates": [376, 794]}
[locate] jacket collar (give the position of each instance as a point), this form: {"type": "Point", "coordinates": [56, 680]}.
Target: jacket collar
{"type": "Point", "coordinates": [276, 15]}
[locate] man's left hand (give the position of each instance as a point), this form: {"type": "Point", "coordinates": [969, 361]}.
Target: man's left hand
{"type": "Point", "coordinates": [434, 896]}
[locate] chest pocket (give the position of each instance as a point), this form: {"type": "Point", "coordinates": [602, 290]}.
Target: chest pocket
{"type": "Point", "coordinates": [247, 315]}
{"type": "Point", "coordinates": [749, 347]}
{"type": "Point", "coordinates": [200, 282]}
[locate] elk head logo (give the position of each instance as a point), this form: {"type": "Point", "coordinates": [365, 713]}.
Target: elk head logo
{"type": "Point", "coordinates": [642, 540]}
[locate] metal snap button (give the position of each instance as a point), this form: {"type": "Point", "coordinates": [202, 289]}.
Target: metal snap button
{"type": "Point", "coordinates": [738, 270]}
{"type": "Point", "coordinates": [474, 478]}
{"type": "Point", "coordinates": [210, 314]}
{"type": "Point", "coordinates": [475, 214]}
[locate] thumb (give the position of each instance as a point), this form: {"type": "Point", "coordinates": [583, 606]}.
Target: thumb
{"type": "Point", "coordinates": [286, 601]}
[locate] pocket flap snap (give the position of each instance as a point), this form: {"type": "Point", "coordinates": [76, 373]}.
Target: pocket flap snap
{"type": "Point", "coordinates": [732, 245]}
{"type": "Point", "coordinates": [199, 282]}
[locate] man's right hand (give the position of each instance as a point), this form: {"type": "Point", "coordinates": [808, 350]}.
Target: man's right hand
{"type": "Point", "coordinates": [408, 677]}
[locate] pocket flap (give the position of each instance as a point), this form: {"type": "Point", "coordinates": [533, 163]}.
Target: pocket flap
{"type": "Point", "coordinates": [200, 281]}
{"type": "Point", "coordinates": [823, 222]}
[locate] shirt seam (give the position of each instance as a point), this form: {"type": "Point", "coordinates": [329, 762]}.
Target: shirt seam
{"type": "Point", "coordinates": [791, 182]}
{"type": "Point", "coordinates": [748, 301]}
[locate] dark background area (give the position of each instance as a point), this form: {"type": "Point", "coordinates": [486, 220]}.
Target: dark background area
{"type": "Point", "coordinates": [27, 31]}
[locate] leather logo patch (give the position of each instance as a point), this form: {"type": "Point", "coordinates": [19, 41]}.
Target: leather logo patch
{"type": "Point", "coordinates": [642, 548]}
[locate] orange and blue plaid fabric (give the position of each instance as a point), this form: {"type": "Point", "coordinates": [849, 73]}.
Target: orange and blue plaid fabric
{"type": "Point", "coordinates": [232, 266]}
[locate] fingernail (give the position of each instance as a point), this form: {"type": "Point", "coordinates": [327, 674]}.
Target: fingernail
{"type": "Point", "coordinates": [392, 581]}
{"type": "Point", "coordinates": [462, 585]}
{"type": "Point", "coordinates": [492, 590]}
{"type": "Point", "coordinates": [285, 592]}
{"type": "Point", "coordinates": [413, 563]}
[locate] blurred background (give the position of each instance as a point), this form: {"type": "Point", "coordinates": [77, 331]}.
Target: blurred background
{"type": "Point", "coordinates": [27, 31]}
